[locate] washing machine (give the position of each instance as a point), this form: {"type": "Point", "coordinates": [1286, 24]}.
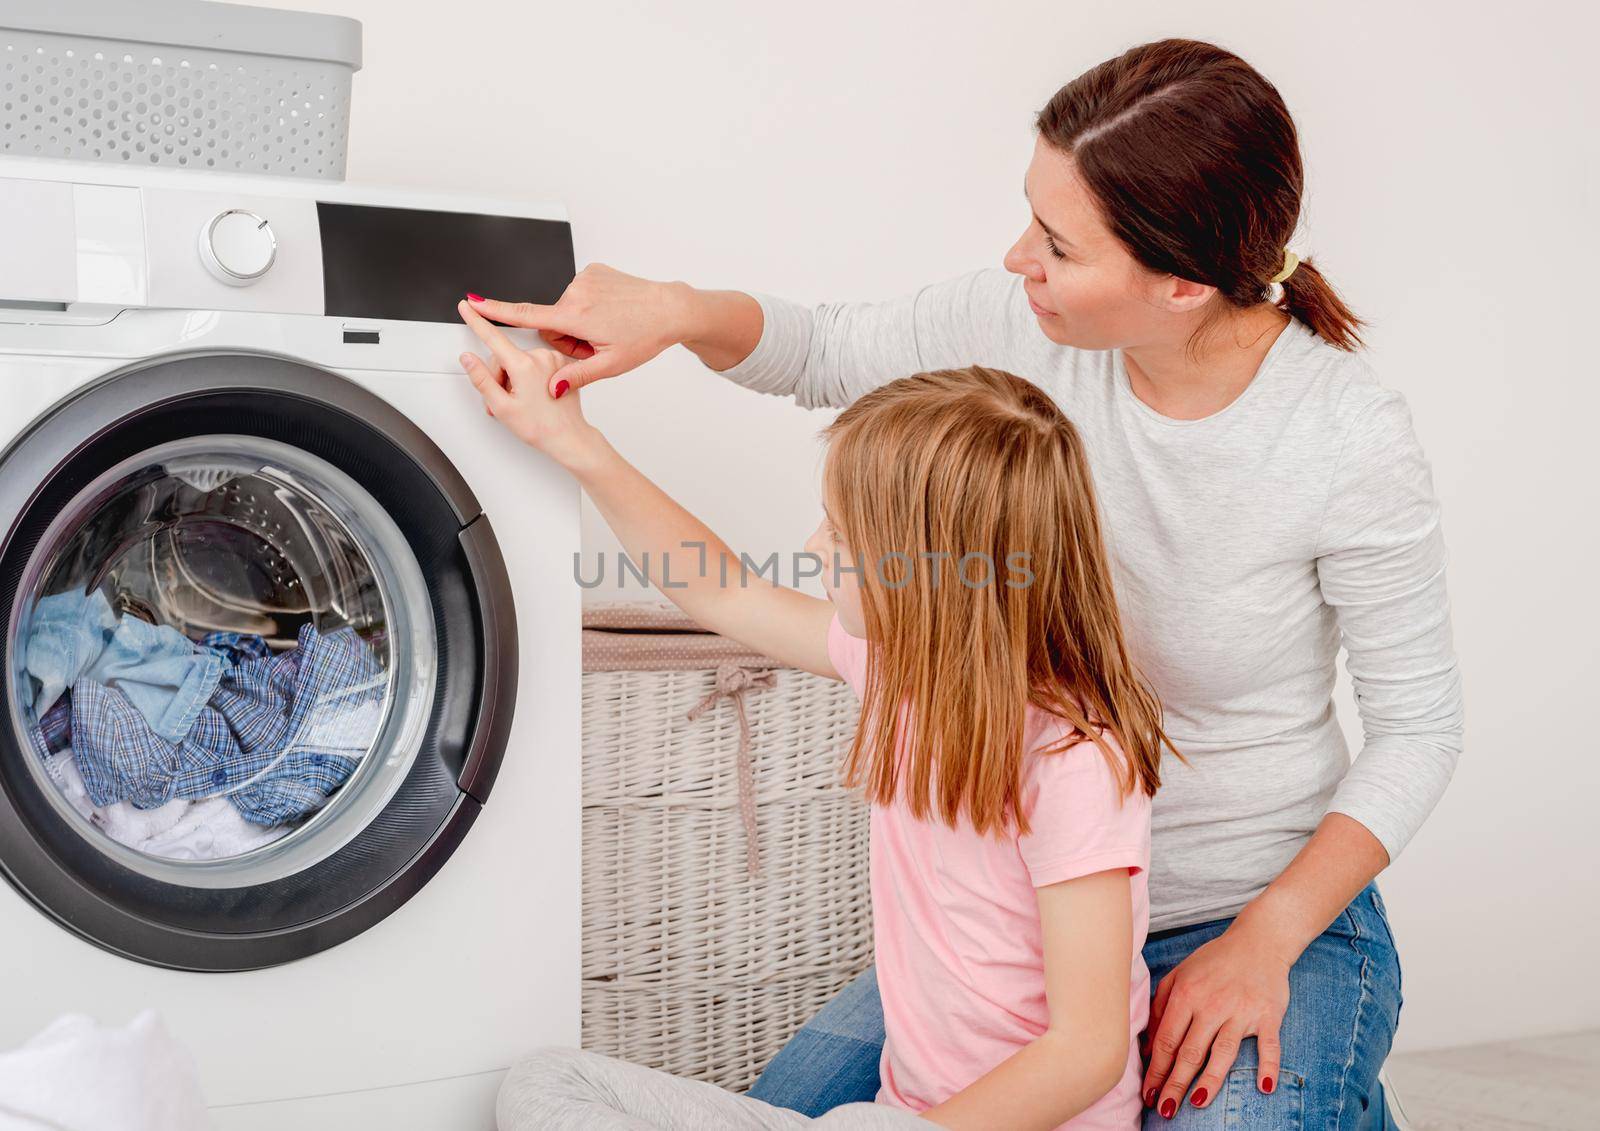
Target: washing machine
{"type": "Point", "coordinates": [291, 674]}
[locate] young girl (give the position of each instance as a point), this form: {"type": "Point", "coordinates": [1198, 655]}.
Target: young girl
{"type": "Point", "coordinates": [1007, 747]}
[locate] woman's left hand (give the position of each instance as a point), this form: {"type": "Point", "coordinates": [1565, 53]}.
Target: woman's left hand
{"type": "Point", "coordinates": [1233, 987]}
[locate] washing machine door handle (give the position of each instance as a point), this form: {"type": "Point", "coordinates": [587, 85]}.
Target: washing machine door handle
{"type": "Point", "coordinates": [497, 659]}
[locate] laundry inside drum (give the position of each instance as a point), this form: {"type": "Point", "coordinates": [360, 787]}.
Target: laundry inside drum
{"type": "Point", "coordinates": [203, 653]}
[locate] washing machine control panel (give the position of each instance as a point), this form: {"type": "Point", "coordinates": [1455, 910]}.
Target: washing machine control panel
{"type": "Point", "coordinates": [231, 251]}
{"type": "Point", "coordinates": [238, 246]}
{"type": "Point", "coordinates": [198, 242]}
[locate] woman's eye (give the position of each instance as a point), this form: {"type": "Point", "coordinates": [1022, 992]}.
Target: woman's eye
{"type": "Point", "coordinates": [1054, 250]}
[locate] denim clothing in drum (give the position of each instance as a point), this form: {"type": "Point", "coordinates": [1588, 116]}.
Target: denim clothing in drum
{"type": "Point", "coordinates": [76, 636]}
{"type": "Point", "coordinates": [1343, 1008]}
{"type": "Point", "coordinates": [165, 677]}
{"type": "Point", "coordinates": [66, 633]}
{"type": "Point", "coordinates": [279, 735]}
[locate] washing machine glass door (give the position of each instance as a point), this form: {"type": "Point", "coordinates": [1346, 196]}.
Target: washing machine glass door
{"type": "Point", "coordinates": [260, 657]}
{"type": "Point", "coordinates": [226, 660]}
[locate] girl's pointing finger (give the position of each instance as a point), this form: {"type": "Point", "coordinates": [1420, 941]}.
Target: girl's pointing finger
{"type": "Point", "coordinates": [486, 382]}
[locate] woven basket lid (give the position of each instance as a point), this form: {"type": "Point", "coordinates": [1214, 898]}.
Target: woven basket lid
{"type": "Point", "coordinates": [625, 636]}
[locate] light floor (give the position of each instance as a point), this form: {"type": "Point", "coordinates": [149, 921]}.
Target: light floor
{"type": "Point", "coordinates": [1543, 1082]}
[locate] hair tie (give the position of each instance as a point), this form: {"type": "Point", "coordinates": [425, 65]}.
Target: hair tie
{"type": "Point", "coordinates": [1290, 262]}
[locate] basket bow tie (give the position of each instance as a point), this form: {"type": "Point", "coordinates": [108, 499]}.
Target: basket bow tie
{"type": "Point", "coordinates": [731, 682]}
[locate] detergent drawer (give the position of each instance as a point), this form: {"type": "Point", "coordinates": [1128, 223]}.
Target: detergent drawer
{"type": "Point", "coordinates": [260, 660]}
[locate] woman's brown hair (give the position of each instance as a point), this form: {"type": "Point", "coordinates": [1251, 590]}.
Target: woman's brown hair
{"type": "Point", "coordinates": [924, 476]}
{"type": "Point", "coordinates": [1195, 163]}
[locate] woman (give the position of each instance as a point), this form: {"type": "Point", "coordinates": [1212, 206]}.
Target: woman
{"type": "Point", "coordinates": [1265, 500]}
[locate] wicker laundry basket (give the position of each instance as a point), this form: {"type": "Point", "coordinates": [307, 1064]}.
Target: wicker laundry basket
{"type": "Point", "coordinates": [725, 894]}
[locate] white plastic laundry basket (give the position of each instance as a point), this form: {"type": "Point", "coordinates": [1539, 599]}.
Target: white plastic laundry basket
{"type": "Point", "coordinates": [182, 83]}
{"type": "Point", "coordinates": [725, 891]}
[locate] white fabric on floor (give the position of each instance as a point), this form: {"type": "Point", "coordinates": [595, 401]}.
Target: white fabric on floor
{"type": "Point", "coordinates": [78, 1075]}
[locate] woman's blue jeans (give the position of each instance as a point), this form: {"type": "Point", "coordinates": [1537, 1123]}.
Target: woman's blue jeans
{"type": "Point", "coordinates": [1344, 1004]}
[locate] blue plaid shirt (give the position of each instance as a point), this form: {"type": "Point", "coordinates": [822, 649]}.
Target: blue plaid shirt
{"type": "Point", "coordinates": [278, 736]}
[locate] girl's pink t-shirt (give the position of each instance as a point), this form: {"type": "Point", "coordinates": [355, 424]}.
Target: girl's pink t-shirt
{"type": "Point", "coordinates": [956, 932]}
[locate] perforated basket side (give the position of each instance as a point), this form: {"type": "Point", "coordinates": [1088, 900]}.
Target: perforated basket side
{"type": "Point", "coordinates": [124, 102]}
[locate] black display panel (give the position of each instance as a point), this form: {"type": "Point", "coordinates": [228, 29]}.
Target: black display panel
{"type": "Point", "coordinates": [415, 265]}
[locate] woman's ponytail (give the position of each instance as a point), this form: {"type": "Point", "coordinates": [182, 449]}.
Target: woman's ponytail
{"type": "Point", "coordinates": [1308, 296]}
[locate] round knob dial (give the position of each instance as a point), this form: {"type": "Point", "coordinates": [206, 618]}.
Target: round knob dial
{"type": "Point", "coordinates": [238, 247]}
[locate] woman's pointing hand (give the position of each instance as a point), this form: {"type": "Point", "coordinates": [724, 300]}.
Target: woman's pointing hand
{"type": "Point", "coordinates": [607, 322]}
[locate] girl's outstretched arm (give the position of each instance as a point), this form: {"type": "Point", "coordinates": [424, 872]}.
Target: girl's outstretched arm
{"type": "Point", "coordinates": [680, 555]}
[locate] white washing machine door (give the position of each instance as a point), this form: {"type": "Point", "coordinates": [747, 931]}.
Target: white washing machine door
{"type": "Point", "coordinates": [260, 660]}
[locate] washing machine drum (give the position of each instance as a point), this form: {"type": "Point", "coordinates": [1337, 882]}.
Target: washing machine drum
{"type": "Point", "coordinates": [260, 660]}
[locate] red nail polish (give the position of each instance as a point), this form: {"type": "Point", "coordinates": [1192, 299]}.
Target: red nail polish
{"type": "Point", "coordinates": [1199, 1097]}
{"type": "Point", "coordinates": [1150, 1098]}
{"type": "Point", "coordinates": [1266, 1083]}
{"type": "Point", "coordinates": [474, 298]}
{"type": "Point", "coordinates": [1168, 1106]}
{"type": "Point", "coordinates": [561, 387]}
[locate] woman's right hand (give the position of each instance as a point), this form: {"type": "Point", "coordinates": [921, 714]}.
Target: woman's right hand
{"type": "Point", "coordinates": [607, 322]}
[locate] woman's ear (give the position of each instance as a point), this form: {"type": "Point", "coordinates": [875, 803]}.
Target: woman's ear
{"type": "Point", "coordinates": [1181, 296]}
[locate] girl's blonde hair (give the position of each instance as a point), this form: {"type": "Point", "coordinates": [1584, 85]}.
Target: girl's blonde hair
{"type": "Point", "coordinates": [935, 482]}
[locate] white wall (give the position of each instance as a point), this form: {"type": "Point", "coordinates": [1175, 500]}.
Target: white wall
{"type": "Point", "coordinates": [843, 149]}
